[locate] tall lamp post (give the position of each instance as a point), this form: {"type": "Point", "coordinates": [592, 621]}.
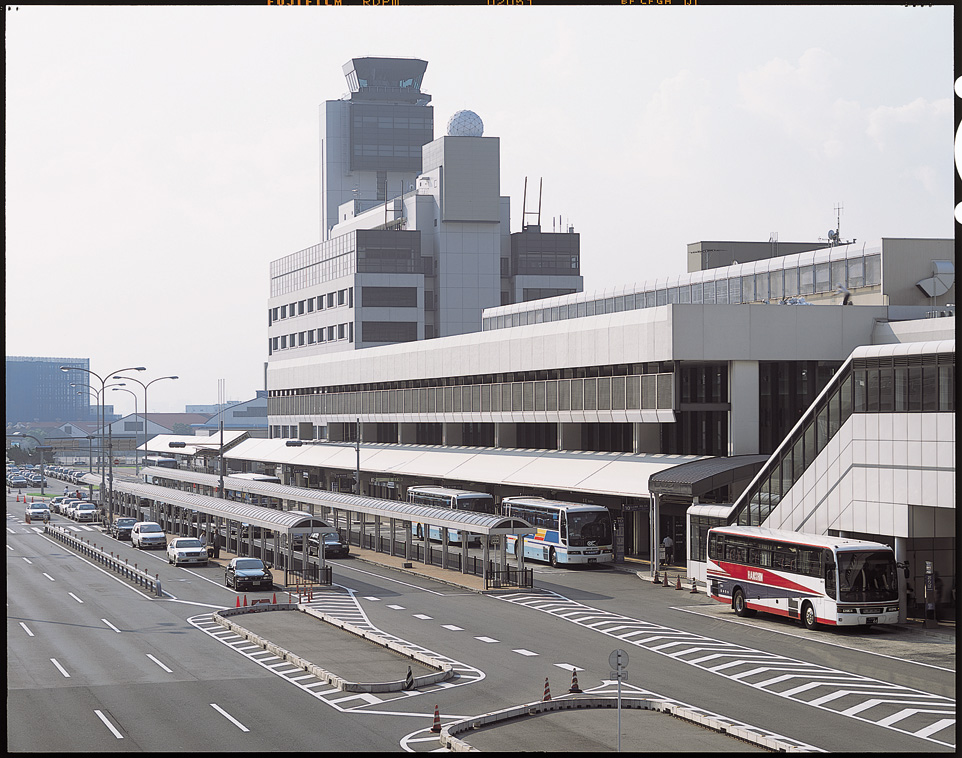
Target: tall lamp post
{"type": "Point", "coordinates": [103, 387]}
{"type": "Point", "coordinates": [100, 420]}
{"type": "Point", "coordinates": [136, 458]}
{"type": "Point", "coordinates": [145, 386]}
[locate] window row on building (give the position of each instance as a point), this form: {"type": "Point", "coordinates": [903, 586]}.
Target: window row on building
{"type": "Point", "coordinates": [333, 333]}
{"type": "Point", "coordinates": [335, 299]}
{"type": "Point", "coordinates": [854, 273]}
{"type": "Point", "coordinates": [636, 392]}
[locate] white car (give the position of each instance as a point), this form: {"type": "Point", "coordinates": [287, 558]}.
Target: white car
{"type": "Point", "coordinates": [37, 512]}
{"type": "Point", "coordinates": [147, 534]}
{"type": "Point", "coordinates": [186, 550]}
{"type": "Point", "coordinates": [84, 511]}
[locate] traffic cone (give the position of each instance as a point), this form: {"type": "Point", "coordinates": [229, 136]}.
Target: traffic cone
{"type": "Point", "coordinates": [574, 682]}
{"type": "Point", "coordinates": [678, 582]}
{"type": "Point", "coordinates": [665, 584]}
{"type": "Point", "coordinates": [28, 518]}
{"type": "Point", "coordinates": [694, 587]}
{"type": "Point", "coordinates": [274, 599]}
{"type": "Point", "coordinates": [408, 680]}
{"type": "Point", "coordinates": [656, 580]}
{"type": "Point", "coordinates": [245, 601]}
{"type": "Point", "coordinates": [547, 691]}
{"type": "Point", "coordinates": [238, 601]}
{"type": "Point", "coordinates": [437, 721]}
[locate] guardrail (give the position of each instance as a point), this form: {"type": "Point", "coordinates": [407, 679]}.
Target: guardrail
{"type": "Point", "coordinates": [108, 560]}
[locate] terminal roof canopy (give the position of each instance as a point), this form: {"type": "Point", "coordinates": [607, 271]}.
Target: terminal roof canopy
{"type": "Point", "coordinates": [698, 477]}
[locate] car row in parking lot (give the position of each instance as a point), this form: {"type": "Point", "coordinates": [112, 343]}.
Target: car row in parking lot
{"type": "Point", "coordinates": [66, 474]}
{"type": "Point", "coordinates": [74, 508]}
{"type": "Point", "coordinates": [24, 476]}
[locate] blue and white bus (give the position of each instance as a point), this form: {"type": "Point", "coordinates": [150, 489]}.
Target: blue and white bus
{"type": "Point", "coordinates": [160, 461]}
{"type": "Point", "coordinates": [566, 532]}
{"type": "Point", "coordinates": [457, 500]}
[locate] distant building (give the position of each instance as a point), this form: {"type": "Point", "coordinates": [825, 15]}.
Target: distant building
{"type": "Point", "coordinates": [246, 416]}
{"type": "Point", "coordinates": [37, 390]}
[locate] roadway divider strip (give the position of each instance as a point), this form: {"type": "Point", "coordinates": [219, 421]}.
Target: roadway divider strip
{"type": "Point", "coordinates": [451, 742]}
{"type": "Point", "coordinates": [108, 560]}
{"type": "Point", "coordinates": [443, 671]}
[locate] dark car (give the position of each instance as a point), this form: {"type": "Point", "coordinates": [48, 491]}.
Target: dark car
{"type": "Point", "coordinates": [334, 546]}
{"type": "Point", "coordinates": [249, 573]}
{"type": "Point", "coordinates": [121, 526]}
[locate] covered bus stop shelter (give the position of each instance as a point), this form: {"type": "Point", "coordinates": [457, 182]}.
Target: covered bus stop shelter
{"type": "Point", "coordinates": [385, 526]}
{"type": "Point", "coordinates": [234, 524]}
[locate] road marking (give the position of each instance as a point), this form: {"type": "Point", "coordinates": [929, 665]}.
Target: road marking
{"type": "Point", "coordinates": [63, 671]}
{"type": "Point", "coordinates": [28, 561]}
{"type": "Point", "coordinates": [26, 629]}
{"type": "Point", "coordinates": [522, 651]}
{"type": "Point", "coordinates": [423, 616]}
{"type": "Point", "coordinates": [392, 607]}
{"type": "Point", "coordinates": [110, 726]}
{"type": "Point", "coordinates": [75, 598]}
{"type": "Point", "coordinates": [49, 577]}
{"type": "Point", "coordinates": [372, 598]}
{"type": "Point", "coordinates": [230, 718]}
{"type": "Point", "coordinates": [452, 627]}
{"type": "Point", "coordinates": [159, 664]}
{"type": "Point", "coordinates": [111, 625]}
{"type": "Point", "coordinates": [568, 667]}
{"type": "Point", "coordinates": [486, 639]}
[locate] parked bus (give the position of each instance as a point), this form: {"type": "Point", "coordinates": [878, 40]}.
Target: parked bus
{"type": "Point", "coordinates": [267, 478]}
{"type": "Point", "coordinates": [160, 461]}
{"type": "Point", "coordinates": [817, 579]}
{"type": "Point", "coordinates": [248, 497]}
{"type": "Point", "coordinates": [566, 532]}
{"type": "Point", "coordinates": [444, 497]}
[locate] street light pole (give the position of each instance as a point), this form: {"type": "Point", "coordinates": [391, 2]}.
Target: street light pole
{"type": "Point", "coordinates": [145, 386]}
{"type": "Point", "coordinates": [103, 387]}
{"type": "Point", "coordinates": [136, 459]}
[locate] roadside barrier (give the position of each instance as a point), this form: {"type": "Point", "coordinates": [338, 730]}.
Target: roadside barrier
{"type": "Point", "coordinates": [108, 560]}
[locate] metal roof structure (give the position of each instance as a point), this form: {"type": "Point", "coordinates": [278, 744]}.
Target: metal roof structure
{"type": "Point", "coordinates": [619, 474]}
{"type": "Point", "coordinates": [290, 522]}
{"type": "Point", "coordinates": [476, 523]}
{"type": "Point", "coordinates": [697, 477]}
{"type": "Point", "coordinates": [193, 444]}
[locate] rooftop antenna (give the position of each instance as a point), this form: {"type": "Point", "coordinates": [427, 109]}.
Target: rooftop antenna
{"type": "Point", "coordinates": [834, 235]}
{"type": "Point", "coordinates": [524, 203]}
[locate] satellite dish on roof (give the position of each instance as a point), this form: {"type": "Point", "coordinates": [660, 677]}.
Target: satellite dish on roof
{"type": "Point", "coordinates": [831, 234]}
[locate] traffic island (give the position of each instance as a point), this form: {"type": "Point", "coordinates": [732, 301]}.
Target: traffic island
{"type": "Point", "coordinates": [313, 634]}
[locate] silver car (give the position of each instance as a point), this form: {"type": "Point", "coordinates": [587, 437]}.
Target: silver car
{"type": "Point", "coordinates": [186, 550]}
{"type": "Point", "coordinates": [148, 534]}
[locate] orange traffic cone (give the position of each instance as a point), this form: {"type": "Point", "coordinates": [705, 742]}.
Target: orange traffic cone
{"type": "Point", "coordinates": [574, 682]}
{"type": "Point", "coordinates": [678, 582]}
{"type": "Point", "coordinates": [656, 580]}
{"type": "Point", "coordinates": [665, 584]}
{"type": "Point", "coordinates": [245, 601]}
{"type": "Point", "coordinates": [274, 599]}
{"type": "Point", "coordinates": [436, 728]}
{"type": "Point", "coordinates": [238, 601]}
{"type": "Point", "coordinates": [547, 691]}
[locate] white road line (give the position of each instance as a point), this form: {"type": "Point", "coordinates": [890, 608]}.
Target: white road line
{"type": "Point", "coordinates": [230, 718]}
{"type": "Point", "coordinates": [11, 532]}
{"type": "Point", "coordinates": [111, 625]}
{"type": "Point", "coordinates": [75, 598]}
{"type": "Point", "coordinates": [110, 726]}
{"type": "Point", "coordinates": [62, 669]}
{"type": "Point", "coordinates": [522, 651]}
{"type": "Point", "coordinates": [392, 607]}
{"type": "Point", "coordinates": [26, 629]}
{"type": "Point", "coordinates": [568, 667]}
{"type": "Point", "coordinates": [49, 577]}
{"type": "Point", "coordinates": [422, 616]}
{"type": "Point", "coordinates": [452, 627]}
{"type": "Point", "coordinates": [486, 639]}
{"type": "Point", "coordinates": [28, 561]}
{"type": "Point", "coordinates": [159, 664]}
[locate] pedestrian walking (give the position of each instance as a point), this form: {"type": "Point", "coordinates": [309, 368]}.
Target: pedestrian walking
{"type": "Point", "coordinates": [669, 544]}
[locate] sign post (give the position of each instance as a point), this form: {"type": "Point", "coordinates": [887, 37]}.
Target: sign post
{"type": "Point", "coordinates": [618, 660]}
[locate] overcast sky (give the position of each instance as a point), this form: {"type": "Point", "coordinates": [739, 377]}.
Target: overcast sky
{"type": "Point", "coordinates": [158, 158]}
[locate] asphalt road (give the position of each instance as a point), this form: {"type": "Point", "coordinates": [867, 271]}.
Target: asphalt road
{"type": "Point", "coordinates": [93, 663]}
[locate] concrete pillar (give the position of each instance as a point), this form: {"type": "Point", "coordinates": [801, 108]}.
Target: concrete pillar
{"type": "Point", "coordinates": [451, 434]}
{"type": "Point", "coordinates": [645, 438]}
{"type": "Point", "coordinates": [505, 435]}
{"type": "Point", "coordinates": [653, 532]}
{"type": "Point", "coordinates": [743, 416]}
{"type": "Point", "coordinates": [569, 436]}
{"type": "Point", "coordinates": [901, 556]}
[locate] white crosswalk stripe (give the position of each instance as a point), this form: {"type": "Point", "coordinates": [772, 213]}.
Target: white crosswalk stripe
{"type": "Point", "coordinates": [847, 694]}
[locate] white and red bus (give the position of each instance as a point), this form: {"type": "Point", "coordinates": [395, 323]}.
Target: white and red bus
{"type": "Point", "coordinates": [818, 579]}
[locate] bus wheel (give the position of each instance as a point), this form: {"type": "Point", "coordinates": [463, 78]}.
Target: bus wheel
{"type": "Point", "coordinates": [740, 606]}
{"type": "Point", "coordinates": [809, 619]}
{"type": "Point", "coordinates": [553, 558]}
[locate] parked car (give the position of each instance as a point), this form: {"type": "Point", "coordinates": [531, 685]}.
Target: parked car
{"type": "Point", "coordinates": [37, 512]}
{"type": "Point", "coordinates": [67, 504]}
{"type": "Point", "coordinates": [147, 534]}
{"type": "Point", "coordinates": [84, 511]}
{"type": "Point", "coordinates": [121, 527]}
{"type": "Point", "coordinates": [334, 546]}
{"type": "Point", "coordinates": [186, 550]}
{"type": "Point", "coordinates": [251, 573]}
{"type": "Point", "coordinates": [17, 481]}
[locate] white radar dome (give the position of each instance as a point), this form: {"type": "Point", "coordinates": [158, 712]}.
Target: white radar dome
{"type": "Point", "coordinates": [465, 124]}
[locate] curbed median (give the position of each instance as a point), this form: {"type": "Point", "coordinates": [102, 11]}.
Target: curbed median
{"type": "Point", "coordinates": [435, 670]}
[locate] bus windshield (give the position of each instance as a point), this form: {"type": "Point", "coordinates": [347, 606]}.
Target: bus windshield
{"type": "Point", "coordinates": [477, 504]}
{"type": "Point", "coordinates": [867, 577]}
{"type": "Point", "coordinates": [589, 528]}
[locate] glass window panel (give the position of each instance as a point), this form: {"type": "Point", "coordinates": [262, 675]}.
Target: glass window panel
{"type": "Point", "coordinates": [823, 277]}
{"type": "Point", "coordinates": [661, 297]}
{"type": "Point", "coordinates": [806, 280]}
{"type": "Point", "coordinates": [886, 390]}
{"type": "Point", "coordinates": [651, 299]}
{"type": "Point", "coordinates": [684, 294]}
{"type": "Point", "coordinates": [775, 284]}
{"type": "Point", "coordinates": [856, 273]}
{"type": "Point", "coordinates": [791, 282]}
{"type": "Point", "coordinates": [873, 270]}
{"type": "Point", "coordinates": [838, 275]}
{"type": "Point", "coordinates": [947, 388]}
{"type": "Point", "coordinates": [672, 294]}
{"type": "Point", "coordinates": [930, 388]}
{"type": "Point", "coordinates": [761, 287]}
{"type": "Point", "coordinates": [708, 292]}
{"type": "Point", "coordinates": [871, 393]}
{"type": "Point", "coordinates": [735, 290]}
{"type": "Point", "coordinates": [590, 394]}
{"type": "Point", "coordinates": [721, 291]}
{"type": "Point", "coordinates": [915, 389]}
{"type": "Point", "coordinates": [748, 289]}
{"type": "Point", "coordinates": [901, 389]}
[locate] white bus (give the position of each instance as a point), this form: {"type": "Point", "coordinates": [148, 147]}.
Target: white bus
{"type": "Point", "coordinates": [566, 532]}
{"type": "Point", "coordinates": [444, 497]}
{"type": "Point", "coordinates": [160, 461]}
{"type": "Point", "coordinates": [256, 478]}
{"type": "Point", "coordinates": [248, 497]}
{"type": "Point", "coordinates": [818, 579]}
